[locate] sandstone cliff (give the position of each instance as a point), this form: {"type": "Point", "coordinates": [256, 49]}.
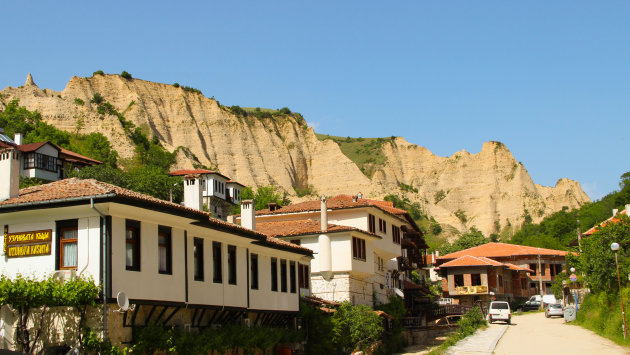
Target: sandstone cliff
{"type": "Point", "coordinates": [488, 190]}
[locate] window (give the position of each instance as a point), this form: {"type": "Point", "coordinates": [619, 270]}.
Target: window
{"type": "Point", "coordinates": [371, 223]}
{"type": "Point", "coordinates": [40, 161]}
{"type": "Point", "coordinates": [231, 264]}
{"type": "Point", "coordinates": [459, 280]}
{"type": "Point", "coordinates": [292, 276]}
{"type": "Point", "coordinates": [283, 275]}
{"type": "Point", "coordinates": [303, 276]}
{"type": "Point", "coordinates": [475, 279]}
{"type": "Point", "coordinates": [533, 267]}
{"type": "Point", "coordinates": [132, 245]}
{"type": "Point", "coordinates": [217, 276]}
{"type": "Point", "coordinates": [558, 268]}
{"type": "Point", "coordinates": [382, 225]}
{"type": "Point", "coordinates": [253, 267]}
{"type": "Point", "coordinates": [165, 251]}
{"type": "Point", "coordinates": [501, 281]}
{"type": "Point", "coordinates": [198, 258]}
{"type": "Point", "coordinates": [358, 248]}
{"type": "Point", "coordinates": [543, 269]}
{"type": "Point", "coordinates": [68, 248]}
{"type": "Point", "coordinates": [396, 234]}
{"type": "Point", "coordinates": [274, 274]}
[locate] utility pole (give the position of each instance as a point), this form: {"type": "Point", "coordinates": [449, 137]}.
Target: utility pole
{"type": "Point", "coordinates": [579, 236]}
{"type": "Point", "coordinates": [540, 279]}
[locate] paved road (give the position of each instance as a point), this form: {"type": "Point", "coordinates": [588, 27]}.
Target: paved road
{"type": "Point", "coordinates": [534, 334]}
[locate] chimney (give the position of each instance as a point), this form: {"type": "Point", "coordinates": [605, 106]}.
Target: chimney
{"type": "Point", "coordinates": [192, 192]}
{"type": "Point", "coordinates": [248, 211]}
{"type": "Point", "coordinates": [359, 196]}
{"type": "Point", "coordinates": [615, 211]}
{"type": "Point", "coordinates": [272, 206]}
{"type": "Point", "coordinates": [324, 214]}
{"type": "Point", "coordinates": [9, 173]}
{"type": "Point", "coordinates": [437, 253]}
{"type": "Point", "coordinates": [628, 210]}
{"type": "Point", "coordinates": [18, 138]}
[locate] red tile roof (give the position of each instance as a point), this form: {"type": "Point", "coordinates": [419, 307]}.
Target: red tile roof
{"type": "Point", "coordinates": [74, 189]}
{"type": "Point", "coordinates": [613, 219]}
{"type": "Point", "coordinates": [493, 250]}
{"type": "Point", "coordinates": [184, 172]}
{"type": "Point", "coordinates": [26, 148]}
{"type": "Point", "coordinates": [301, 227]}
{"type": "Point", "coordinates": [73, 157]}
{"type": "Point", "coordinates": [518, 268]}
{"type": "Point", "coordinates": [334, 203]}
{"type": "Point", "coordinates": [469, 260]}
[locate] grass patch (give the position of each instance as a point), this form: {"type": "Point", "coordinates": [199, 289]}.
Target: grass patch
{"type": "Point", "coordinates": [601, 313]}
{"type": "Point", "coordinates": [366, 153]}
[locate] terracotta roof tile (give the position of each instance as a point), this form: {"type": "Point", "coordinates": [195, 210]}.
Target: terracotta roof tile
{"type": "Point", "coordinates": [78, 189]}
{"type": "Point", "coordinates": [76, 157]}
{"type": "Point", "coordinates": [184, 172]}
{"type": "Point", "coordinates": [518, 268]}
{"type": "Point", "coordinates": [469, 260]}
{"type": "Point", "coordinates": [612, 219]}
{"type": "Point", "coordinates": [301, 227]}
{"type": "Point", "coordinates": [501, 250]}
{"type": "Point", "coordinates": [33, 146]}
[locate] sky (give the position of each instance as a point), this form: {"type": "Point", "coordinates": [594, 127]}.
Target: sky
{"type": "Point", "coordinates": [551, 80]}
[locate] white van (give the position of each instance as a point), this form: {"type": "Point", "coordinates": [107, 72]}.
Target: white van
{"type": "Point", "coordinates": [546, 299]}
{"type": "Point", "coordinates": [499, 310]}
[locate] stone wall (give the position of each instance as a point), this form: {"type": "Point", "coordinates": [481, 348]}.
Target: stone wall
{"type": "Point", "coordinates": [350, 287]}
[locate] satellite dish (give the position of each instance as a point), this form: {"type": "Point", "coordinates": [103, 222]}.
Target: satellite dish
{"type": "Point", "coordinates": [399, 292]}
{"type": "Point", "coordinates": [123, 301]}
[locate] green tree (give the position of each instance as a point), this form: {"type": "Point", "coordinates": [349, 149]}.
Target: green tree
{"type": "Point", "coordinates": [597, 260]}
{"type": "Point", "coordinates": [467, 240]}
{"type": "Point", "coordinates": [263, 196]}
{"type": "Point", "coordinates": [356, 327]}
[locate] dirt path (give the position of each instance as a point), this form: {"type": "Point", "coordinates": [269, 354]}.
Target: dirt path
{"type": "Point", "coordinates": [535, 334]}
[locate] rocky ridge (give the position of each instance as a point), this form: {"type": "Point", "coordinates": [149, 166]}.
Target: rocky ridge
{"type": "Point", "coordinates": [489, 190]}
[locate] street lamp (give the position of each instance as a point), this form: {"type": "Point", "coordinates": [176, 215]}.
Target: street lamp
{"type": "Point", "coordinates": [615, 248]}
{"type": "Point", "coordinates": [540, 286]}
{"type": "Point", "coordinates": [575, 294]}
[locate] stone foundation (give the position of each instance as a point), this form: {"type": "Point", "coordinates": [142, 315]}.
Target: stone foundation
{"type": "Point", "coordinates": [347, 287]}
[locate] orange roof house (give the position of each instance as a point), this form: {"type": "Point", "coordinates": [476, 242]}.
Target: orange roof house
{"type": "Point", "coordinates": [498, 270]}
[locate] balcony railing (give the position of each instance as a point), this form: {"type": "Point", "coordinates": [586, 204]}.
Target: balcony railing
{"type": "Point", "coordinates": [471, 290]}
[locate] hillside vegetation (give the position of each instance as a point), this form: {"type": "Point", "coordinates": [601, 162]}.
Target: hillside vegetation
{"type": "Point", "coordinates": [366, 153]}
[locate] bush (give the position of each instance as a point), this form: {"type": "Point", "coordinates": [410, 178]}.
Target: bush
{"type": "Point", "coordinates": [436, 228]}
{"type": "Point", "coordinates": [97, 99]}
{"type": "Point", "coordinates": [78, 101]}
{"type": "Point", "coordinates": [106, 108]}
{"type": "Point", "coordinates": [98, 72]}
{"type": "Point", "coordinates": [176, 85]}
{"type": "Point", "coordinates": [125, 75]}
{"type": "Point", "coordinates": [356, 327]}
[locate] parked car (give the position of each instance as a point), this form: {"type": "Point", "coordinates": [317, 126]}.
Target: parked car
{"type": "Point", "coordinates": [448, 320]}
{"type": "Point", "coordinates": [499, 310]}
{"type": "Point", "coordinates": [531, 306]}
{"type": "Point", "coordinates": [555, 309]}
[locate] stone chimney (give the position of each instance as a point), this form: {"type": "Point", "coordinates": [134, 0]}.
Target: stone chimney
{"type": "Point", "coordinates": [359, 195]}
{"type": "Point", "coordinates": [18, 138]}
{"type": "Point", "coordinates": [248, 214]}
{"type": "Point", "coordinates": [29, 81]}
{"type": "Point", "coordinates": [324, 214]}
{"type": "Point", "coordinates": [192, 192]}
{"type": "Point", "coordinates": [9, 173]}
{"type": "Point", "coordinates": [615, 211]}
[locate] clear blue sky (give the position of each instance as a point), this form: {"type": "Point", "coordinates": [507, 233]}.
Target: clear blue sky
{"type": "Point", "coordinates": [551, 80]}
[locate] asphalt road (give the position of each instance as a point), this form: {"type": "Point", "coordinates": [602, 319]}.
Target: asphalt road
{"type": "Point", "coordinates": [532, 333]}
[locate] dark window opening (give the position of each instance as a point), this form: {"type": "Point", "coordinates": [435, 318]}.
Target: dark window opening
{"type": "Point", "coordinates": [475, 279]}
{"type": "Point", "coordinates": [132, 245]}
{"type": "Point", "coordinates": [396, 234]}
{"type": "Point", "coordinates": [283, 275]}
{"type": "Point", "coordinates": [533, 267]}
{"type": "Point", "coordinates": [303, 276]}
{"type": "Point", "coordinates": [358, 248]}
{"type": "Point", "coordinates": [198, 258]}
{"type": "Point", "coordinates": [371, 223]}
{"type": "Point", "coordinates": [253, 266]}
{"type": "Point", "coordinates": [231, 264]}
{"type": "Point", "coordinates": [459, 280]}
{"type": "Point", "coordinates": [165, 250]}
{"type": "Point", "coordinates": [217, 276]}
{"type": "Point", "coordinates": [292, 276]}
{"type": "Point", "coordinates": [274, 274]}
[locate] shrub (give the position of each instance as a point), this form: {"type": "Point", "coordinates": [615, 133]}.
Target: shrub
{"type": "Point", "coordinates": [97, 99]}
{"type": "Point", "coordinates": [78, 101]}
{"type": "Point", "coordinates": [125, 75]}
{"type": "Point", "coordinates": [439, 196]}
{"type": "Point", "coordinates": [461, 215]}
{"type": "Point", "coordinates": [285, 110]}
{"type": "Point", "coordinates": [356, 327]}
{"type": "Point", "coordinates": [176, 85]}
{"type": "Point", "coordinates": [98, 72]}
{"type": "Point", "coordinates": [106, 108]}
{"type": "Point", "coordinates": [436, 228]}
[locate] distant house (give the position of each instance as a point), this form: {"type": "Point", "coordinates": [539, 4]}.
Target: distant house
{"type": "Point", "coordinates": [505, 271]}
{"type": "Point", "coordinates": [613, 219]}
{"type": "Point", "coordinates": [45, 160]}
{"type": "Point", "coordinates": [364, 249]}
{"type": "Point", "coordinates": [210, 190]}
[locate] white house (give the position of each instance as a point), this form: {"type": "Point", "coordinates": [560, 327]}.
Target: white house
{"type": "Point", "coordinates": [364, 249]}
{"type": "Point", "coordinates": [219, 194]}
{"type": "Point", "coordinates": [177, 265]}
{"type": "Point", "coordinates": [44, 160]}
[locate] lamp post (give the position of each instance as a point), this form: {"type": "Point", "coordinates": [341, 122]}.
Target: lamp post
{"type": "Point", "coordinates": [575, 295]}
{"type": "Point", "coordinates": [540, 281]}
{"type": "Point", "coordinates": [615, 248]}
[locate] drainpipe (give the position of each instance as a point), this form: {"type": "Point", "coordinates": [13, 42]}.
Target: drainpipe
{"type": "Point", "coordinates": [104, 256]}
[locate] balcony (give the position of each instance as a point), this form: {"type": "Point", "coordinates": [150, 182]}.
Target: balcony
{"type": "Point", "coordinates": [471, 290]}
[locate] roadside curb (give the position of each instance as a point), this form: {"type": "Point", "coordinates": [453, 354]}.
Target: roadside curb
{"type": "Point", "coordinates": [496, 340]}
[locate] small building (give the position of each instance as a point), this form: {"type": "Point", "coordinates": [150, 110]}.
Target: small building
{"type": "Point", "coordinates": [213, 191]}
{"type": "Point", "coordinates": [45, 160]}
{"type": "Point", "coordinates": [364, 249]}
{"type": "Point", "coordinates": [177, 265]}
{"type": "Point", "coordinates": [613, 219]}
{"type": "Point", "coordinates": [504, 271]}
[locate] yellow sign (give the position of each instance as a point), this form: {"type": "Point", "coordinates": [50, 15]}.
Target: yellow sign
{"type": "Point", "coordinates": [14, 243]}
{"type": "Point", "coordinates": [16, 251]}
